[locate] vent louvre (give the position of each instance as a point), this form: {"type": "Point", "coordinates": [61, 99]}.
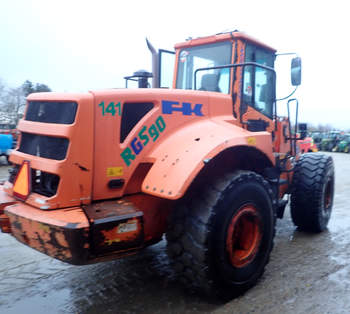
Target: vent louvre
{"type": "Point", "coordinates": [51, 112]}
{"type": "Point", "coordinates": [43, 146]}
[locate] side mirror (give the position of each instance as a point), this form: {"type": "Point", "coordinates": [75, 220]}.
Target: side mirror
{"type": "Point", "coordinates": [296, 71]}
{"type": "Point", "coordinates": [302, 130]}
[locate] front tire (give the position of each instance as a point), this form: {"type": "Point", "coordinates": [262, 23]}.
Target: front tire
{"type": "Point", "coordinates": [312, 192]}
{"type": "Point", "coordinates": [221, 241]}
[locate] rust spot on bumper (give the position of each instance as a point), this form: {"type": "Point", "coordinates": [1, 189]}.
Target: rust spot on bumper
{"type": "Point", "coordinates": [5, 224]}
{"type": "Point", "coordinates": [62, 234]}
{"type": "Point", "coordinates": [5, 200]}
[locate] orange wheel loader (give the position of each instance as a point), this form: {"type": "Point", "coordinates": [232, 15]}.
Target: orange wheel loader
{"type": "Point", "coordinates": [204, 160]}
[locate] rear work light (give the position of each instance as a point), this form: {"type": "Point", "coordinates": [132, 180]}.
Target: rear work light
{"type": "Point", "coordinates": [22, 185]}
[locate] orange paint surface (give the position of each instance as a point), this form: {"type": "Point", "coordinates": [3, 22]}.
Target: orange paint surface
{"type": "Point", "coordinates": [175, 155]}
{"type": "Point", "coordinates": [75, 183]}
{"type": "Point", "coordinates": [161, 154]}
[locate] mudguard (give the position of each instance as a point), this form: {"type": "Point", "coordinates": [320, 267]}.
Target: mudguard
{"type": "Point", "coordinates": [183, 154]}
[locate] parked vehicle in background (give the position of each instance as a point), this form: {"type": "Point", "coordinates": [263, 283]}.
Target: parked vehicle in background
{"type": "Point", "coordinates": [6, 145]}
{"type": "Point", "coordinates": [307, 145]}
{"type": "Point", "coordinates": [344, 144]}
{"type": "Point", "coordinates": [10, 128]}
{"type": "Point", "coordinates": [317, 138]}
{"type": "Point", "coordinates": [330, 141]}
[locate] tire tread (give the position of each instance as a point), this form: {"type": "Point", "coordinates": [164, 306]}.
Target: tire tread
{"type": "Point", "coordinates": [307, 193]}
{"type": "Point", "coordinates": [191, 262]}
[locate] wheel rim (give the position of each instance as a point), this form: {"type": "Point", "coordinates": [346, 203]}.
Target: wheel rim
{"type": "Point", "coordinates": [244, 236]}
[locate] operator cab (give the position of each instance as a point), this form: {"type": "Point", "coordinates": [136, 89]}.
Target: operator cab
{"type": "Point", "coordinates": [228, 63]}
{"type": "Point", "coordinates": [232, 64]}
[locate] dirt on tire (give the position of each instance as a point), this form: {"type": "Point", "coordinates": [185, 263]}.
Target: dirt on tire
{"type": "Point", "coordinates": [204, 258]}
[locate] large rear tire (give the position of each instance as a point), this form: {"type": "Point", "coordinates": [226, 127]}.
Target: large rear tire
{"type": "Point", "coordinates": [312, 192]}
{"type": "Point", "coordinates": [221, 241]}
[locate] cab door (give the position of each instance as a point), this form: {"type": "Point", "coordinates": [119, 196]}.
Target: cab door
{"type": "Point", "coordinates": [258, 89]}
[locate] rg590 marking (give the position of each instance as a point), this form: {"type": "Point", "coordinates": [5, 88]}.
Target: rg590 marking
{"type": "Point", "coordinates": [142, 139]}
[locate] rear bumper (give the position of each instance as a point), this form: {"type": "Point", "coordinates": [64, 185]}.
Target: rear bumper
{"type": "Point", "coordinates": [62, 234]}
{"type": "Point", "coordinates": [76, 235]}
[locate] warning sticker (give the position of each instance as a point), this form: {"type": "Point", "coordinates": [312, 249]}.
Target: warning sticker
{"type": "Point", "coordinates": [251, 141]}
{"type": "Point", "coordinates": [115, 171]}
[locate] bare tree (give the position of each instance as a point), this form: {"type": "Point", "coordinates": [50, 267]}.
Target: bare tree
{"type": "Point", "coordinates": [325, 127]}
{"type": "Point", "coordinates": [11, 101]}
{"type": "Point", "coordinates": [2, 92]}
{"type": "Point", "coordinates": [15, 101]}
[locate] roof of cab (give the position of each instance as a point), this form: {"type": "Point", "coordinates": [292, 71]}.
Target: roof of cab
{"type": "Point", "coordinates": [222, 37]}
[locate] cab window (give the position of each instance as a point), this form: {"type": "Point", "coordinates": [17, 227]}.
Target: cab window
{"type": "Point", "coordinates": [205, 56]}
{"type": "Point", "coordinates": [259, 83]}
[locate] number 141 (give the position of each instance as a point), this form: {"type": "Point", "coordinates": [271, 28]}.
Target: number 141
{"type": "Point", "coordinates": [112, 108]}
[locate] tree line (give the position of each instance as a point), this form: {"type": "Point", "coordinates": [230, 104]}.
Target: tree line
{"type": "Point", "coordinates": [13, 99]}
{"type": "Point", "coordinates": [324, 128]}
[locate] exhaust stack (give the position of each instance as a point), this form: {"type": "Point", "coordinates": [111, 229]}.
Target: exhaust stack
{"type": "Point", "coordinates": [155, 64]}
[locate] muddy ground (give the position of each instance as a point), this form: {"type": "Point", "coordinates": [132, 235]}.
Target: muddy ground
{"type": "Point", "coordinates": [307, 274]}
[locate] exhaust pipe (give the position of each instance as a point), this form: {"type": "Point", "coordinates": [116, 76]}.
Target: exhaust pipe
{"type": "Point", "coordinates": [155, 64]}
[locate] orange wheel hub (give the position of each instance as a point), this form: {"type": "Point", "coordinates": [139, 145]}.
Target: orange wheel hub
{"type": "Point", "coordinates": [244, 236]}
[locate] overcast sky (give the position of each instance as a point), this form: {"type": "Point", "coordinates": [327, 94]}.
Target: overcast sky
{"type": "Point", "coordinates": [79, 45]}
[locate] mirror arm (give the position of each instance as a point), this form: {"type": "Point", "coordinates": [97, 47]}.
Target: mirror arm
{"type": "Point", "coordinates": [291, 94]}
